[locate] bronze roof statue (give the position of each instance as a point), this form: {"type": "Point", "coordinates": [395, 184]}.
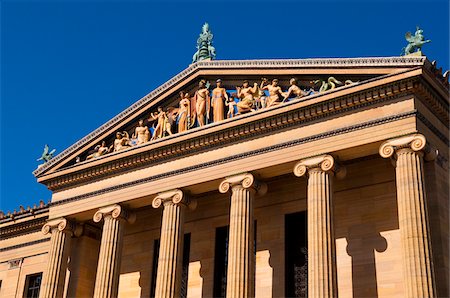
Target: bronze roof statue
{"type": "Point", "coordinates": [415, 42]}
{"type": "Point", "coordinates": [205, 49]}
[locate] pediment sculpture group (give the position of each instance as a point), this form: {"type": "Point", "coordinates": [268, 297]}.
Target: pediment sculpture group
{"type": "Point", "coordinates": [207, 107]}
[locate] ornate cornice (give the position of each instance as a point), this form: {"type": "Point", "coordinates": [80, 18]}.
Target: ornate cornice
{"type": "Point", "coordinates": [239, 156]}
{"type": "Point", "coordinates": [244, 180]}
{"type": "Point", "coordinates": [316, 62]}
{"type": "Point", "coordinates": [23, 228]}
{"type": "Point", "coordinates": [260, 126]}
{"type": "Point", "coordinates": [285, 63]}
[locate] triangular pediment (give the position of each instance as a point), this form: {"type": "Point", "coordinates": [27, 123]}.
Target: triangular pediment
{"type": "Point", "coordinates": [232, 73]}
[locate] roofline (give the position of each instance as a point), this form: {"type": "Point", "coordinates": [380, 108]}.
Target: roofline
{"type": "Point", "coordinates": [396, 61]}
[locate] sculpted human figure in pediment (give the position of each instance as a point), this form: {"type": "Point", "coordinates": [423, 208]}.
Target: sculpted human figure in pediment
{"type": "Point", "coordinates": [122, 141]}
{"type": "Point", "coordinates": [184, 112]}
{"type": "Point", "coordinates": [99, 150]}
{"type": "Point", "coordinates": [246, 95]}
{"type": "Point", "coordinates": [163, 125]}
{"type": "Point", "coordinates": [141, 133]}
{"type": "Point", "coordinates": [294, 89]}
{"type": "Point", "coordinates": [275, 92]}
{"type": "Point", "coordinates": [219, 97]}
{"type": "Point", "coordinates": [202, 103]}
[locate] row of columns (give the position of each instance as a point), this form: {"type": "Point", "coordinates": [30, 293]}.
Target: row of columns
{"type": "Point", "coordinates": [408, 153]}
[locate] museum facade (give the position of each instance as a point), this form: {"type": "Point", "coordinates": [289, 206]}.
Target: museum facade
{"type": "Point", "coordinates": [338, 187]}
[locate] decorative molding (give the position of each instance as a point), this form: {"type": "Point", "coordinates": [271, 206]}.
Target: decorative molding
{"type": "Point", "coordinates": [244, 180]}
{"type": "Point", "coordinates": [239, 156]}
{"type": "Point", "coordinates": [115, 211]}
{"type": "Point", "coordinates": [23, 228]}
{"type": "Point", "coordinates": [297, 63]}
{"type": "Point", "coordinates": [27, 213]}
{"type": "Point", "coordinates": [175, 197]}
{"type": "Point", "coordinates": [24, 244]}
{"type": "Point", "coordinates": [282, 120]}
{"type": "Point", "coordinates": [13, 264]}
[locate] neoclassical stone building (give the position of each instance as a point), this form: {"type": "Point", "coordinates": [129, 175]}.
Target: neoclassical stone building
{"type": "Point", "coordinates": [342, 192]}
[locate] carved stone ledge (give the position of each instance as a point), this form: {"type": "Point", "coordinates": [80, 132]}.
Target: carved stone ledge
{"type": "Point", "coordinates": [325, 163]}
{"type": "Point", "coordinates": [63, 225]}
{"type": "Point", "coordinates": [175, 196]}
{"type": "Point", "coordinates": [245, 180]}
{"type": "Point", "coordinates": [115, 211]}
{"type": "Point", "coordinates": [414, 142]}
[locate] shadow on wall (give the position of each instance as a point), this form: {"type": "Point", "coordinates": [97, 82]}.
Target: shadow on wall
{"type": "Point", "coordinates": [365, 211]}
{"type": "Point", "coordinates": [362, 242]}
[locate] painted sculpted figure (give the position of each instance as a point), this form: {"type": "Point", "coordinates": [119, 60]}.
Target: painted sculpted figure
{"type": "Point", "coordinates": [184, 112]}
{"type": "Point", "coordinates": [295, 90]}
{"type": "Point", "coordinates": [99, 150]}
{"type": "Point", "coordinates": [163, 125]}
{"type": "Point", "coordinates": [219, 97]}
{"type": "Point", "coordinates": [275, 92]}
{"type": "Point", "coordinates": [122, 141]}
{"type": "Point", "coordinates": [202, 102]}
{"type": "Point", "coordinates": [246, 96]}
{"type": "Point", "coordinates": [141, 133]}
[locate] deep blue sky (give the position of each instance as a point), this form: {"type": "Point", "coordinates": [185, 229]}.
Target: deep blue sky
{"type": "Point", "coordinates": [66, 68]}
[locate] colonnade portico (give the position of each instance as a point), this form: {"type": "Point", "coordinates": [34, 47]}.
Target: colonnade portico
{"type": "Point", "coordinates": [322, 279]}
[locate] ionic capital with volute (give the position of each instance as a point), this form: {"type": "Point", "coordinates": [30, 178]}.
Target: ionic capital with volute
{"type": "Point", "coordinates": [246, 181]}
{"type": "Point", "coordinates": [62, 225]}
{"type": "Point", "coordinates": [115, 211]}
{"type": "Point", "coordinates": [176, 197]}
{"type": "Point", "coordinates": [325, 163]}
{"type": "Point", "coordinates": [415, 143]}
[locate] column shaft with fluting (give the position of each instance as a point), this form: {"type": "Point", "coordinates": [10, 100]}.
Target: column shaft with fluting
{"type": "Point", "coordinates": [322, 281]}
{"type": "Point", "coordinates": [108, 268]}
{"type": "Point", "coordinates": [241, 254]}
{"type": "Point", "coordinates": [55, 274]}
{"type": "Point", "coordinates": [170, 260]}
{"type": "Point", "coordinates": [412, 213]}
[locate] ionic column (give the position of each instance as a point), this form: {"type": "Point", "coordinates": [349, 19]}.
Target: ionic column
{"type": "Point", "coordinates": [409, 153]}
{"type": "Point", "coordinates": [108, 268]}
{"type": "Point", "coordinates": [241, 254]}
{"type": "Point", "coordinates": [54, 277]}
{"type": "Point", "coordinates": [170, 260]}
{"type": "Point", "coordinates": [321, 246]}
